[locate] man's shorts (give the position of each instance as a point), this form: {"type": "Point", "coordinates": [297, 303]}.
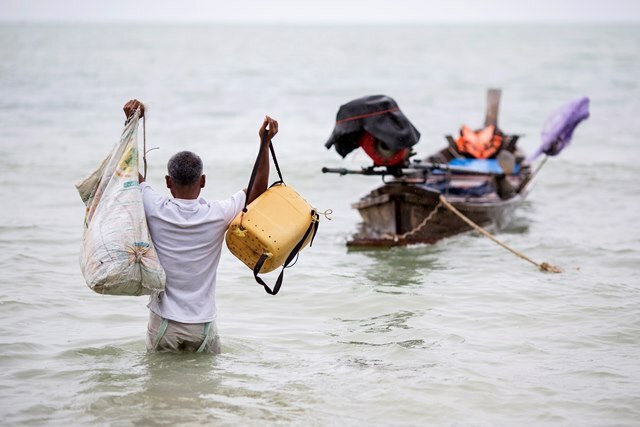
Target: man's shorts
{"type": "Point", "coordinates": [179, 337]}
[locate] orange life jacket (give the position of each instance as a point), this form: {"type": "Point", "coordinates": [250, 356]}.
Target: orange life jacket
{"type": "Point", "coordinates": [482, 144]}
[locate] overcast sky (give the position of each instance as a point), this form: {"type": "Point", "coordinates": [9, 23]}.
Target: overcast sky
{"type": "Point", "coordinates": [324, 11]}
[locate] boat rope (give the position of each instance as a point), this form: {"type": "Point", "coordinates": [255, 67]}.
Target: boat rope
{"type": "Point", "coordinates": [541, 266]}
{"type": "Point", "coordinates": [403, 236]}
{"type": "Point", "coordinates": [364, 116]}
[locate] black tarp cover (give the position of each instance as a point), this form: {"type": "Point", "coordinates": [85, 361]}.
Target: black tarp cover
{"type": "Point", "coordinates": [377, 114]}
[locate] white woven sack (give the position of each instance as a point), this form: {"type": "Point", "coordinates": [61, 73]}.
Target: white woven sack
{"type": "Point", "coordinates": [117, 256]}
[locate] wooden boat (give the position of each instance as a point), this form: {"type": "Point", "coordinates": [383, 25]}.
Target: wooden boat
{"type": "Point", "coordinates": [481, 175]}
{"type": "Point", "coordinates": [407, 209]}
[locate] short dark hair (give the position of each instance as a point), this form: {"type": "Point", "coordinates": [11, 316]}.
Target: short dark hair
{"type": "Point", "coordinates": [185, 168]}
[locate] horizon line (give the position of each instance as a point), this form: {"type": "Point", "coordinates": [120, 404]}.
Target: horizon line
{"type": "Point", "coordinates": [319, 22]}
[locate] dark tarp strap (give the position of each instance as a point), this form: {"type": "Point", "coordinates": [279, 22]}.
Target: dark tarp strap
{"type": "Point", "coordinates": [313, 227]}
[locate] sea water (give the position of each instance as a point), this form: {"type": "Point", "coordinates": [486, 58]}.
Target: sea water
{"type": "Point", "coordinates": [458, 333]}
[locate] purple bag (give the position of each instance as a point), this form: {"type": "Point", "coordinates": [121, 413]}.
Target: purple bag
{"type": "Point", "coordinates": [559, 127]}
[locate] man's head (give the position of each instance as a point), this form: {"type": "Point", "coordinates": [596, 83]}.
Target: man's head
{"type": "Point", "coordinates": [185, 178]}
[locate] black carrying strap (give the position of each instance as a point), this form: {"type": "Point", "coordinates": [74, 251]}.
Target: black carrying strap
{"type": "Point", "coordinates": [313, 228]}
{"type": "Point", "coordinates": [254, 172]}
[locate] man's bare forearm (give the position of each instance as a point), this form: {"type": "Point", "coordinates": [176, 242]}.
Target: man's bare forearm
{"type": "Point", "coordinates": [270, 127]}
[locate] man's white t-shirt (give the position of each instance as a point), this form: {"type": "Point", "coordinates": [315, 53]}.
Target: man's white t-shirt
{"type": "Point", "coordinates": [188, 236]}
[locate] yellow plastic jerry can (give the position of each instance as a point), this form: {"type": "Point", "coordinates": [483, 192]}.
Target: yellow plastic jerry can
{"type": "Point", "coordinates": [273, 225]}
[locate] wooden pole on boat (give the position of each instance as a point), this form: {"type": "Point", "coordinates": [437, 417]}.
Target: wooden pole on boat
{"type": "Point", "coordinates": [493, 104]}
{"type": "Point", "coordinates": [530, 178]}
{"type": "Point", "coordinates": [541, 266]}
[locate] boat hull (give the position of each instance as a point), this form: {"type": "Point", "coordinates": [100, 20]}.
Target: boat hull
{"type": "Point", "coordinates": [404, 213]}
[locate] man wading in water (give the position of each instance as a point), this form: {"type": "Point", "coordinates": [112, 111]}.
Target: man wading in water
{"type": "Point", "coordinates": [188, 232]}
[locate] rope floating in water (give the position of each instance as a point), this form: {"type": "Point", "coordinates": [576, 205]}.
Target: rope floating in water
{"type": "Point", "coordinates": [545, 266]}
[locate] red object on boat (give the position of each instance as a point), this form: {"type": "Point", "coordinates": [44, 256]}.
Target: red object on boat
{"type": "Point", "coordinates": [380, 152]}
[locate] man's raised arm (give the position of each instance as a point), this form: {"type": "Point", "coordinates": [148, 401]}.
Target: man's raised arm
{"type": "Point", "coordinates": [262, 174]}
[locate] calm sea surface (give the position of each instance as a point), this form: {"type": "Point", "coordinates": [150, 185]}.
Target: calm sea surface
{"type": "Point", "coordinates": [460, 333]}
